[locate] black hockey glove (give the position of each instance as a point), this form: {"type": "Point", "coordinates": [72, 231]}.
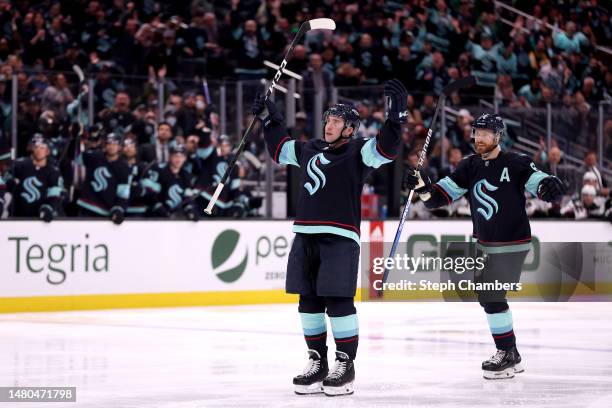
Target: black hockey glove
{"type": "Point", "coordinates": [117, 215]}
{"type": "Point", "coordinates": [46, 213]}
{"type": "Point", "coordinates": [259, 108]}
{"type": "Point", "coordinates": [415, 180]}
{"type": "Point", "coordinates": [160, 211]}
{"type": "Point", "coordinates": [397, 101]}
{"type": "Point", "coordinates": [551, 189]}
{"type": "Point", "coordinates": [190, 213]}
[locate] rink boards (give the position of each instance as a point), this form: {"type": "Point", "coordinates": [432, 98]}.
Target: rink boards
{"type": "Point", "coordinates": [70, 265]}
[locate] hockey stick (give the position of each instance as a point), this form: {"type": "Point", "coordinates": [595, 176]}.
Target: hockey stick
{"type": "Point", "coordinates": [316, 24]}
{"type": "Point", "coordinates": [449, 89]}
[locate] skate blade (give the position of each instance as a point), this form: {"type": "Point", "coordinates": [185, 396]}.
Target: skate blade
{"type": "Point", "coordinates": [518, 368]}
{"type": "Point", "coordinates": [499, 375]}
{"type": "Point", "coordinates": [346, 389]}
{"type": "Point", "coordinates": [316, 388]}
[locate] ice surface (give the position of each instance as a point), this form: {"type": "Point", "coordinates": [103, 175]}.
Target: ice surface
{"type": "Point", "coordinates": [410, 354]}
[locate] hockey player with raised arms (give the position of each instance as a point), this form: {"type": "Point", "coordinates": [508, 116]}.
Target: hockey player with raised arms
{"type": "Point", "coordinates": [495, 182]}
{"type": "Point", "coordinates": [324, 258]}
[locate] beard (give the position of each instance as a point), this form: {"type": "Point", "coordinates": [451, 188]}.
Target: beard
{"type": "Point", "coordinates": [484, 148]}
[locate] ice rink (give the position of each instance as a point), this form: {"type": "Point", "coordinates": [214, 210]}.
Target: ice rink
{"type": "Point", "coordinates": [410, 354]}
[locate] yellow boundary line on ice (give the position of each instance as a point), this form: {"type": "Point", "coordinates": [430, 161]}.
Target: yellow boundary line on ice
{"type": "Point", "coordinates": [183, 299]}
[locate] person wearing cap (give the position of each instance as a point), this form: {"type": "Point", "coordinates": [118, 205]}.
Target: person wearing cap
{"type": "Point", "coordinates": [34, 183]}
{"type": "Point", "coordinates": [166, 185]}
{"type": "Point", "coordinates": [106, 190]}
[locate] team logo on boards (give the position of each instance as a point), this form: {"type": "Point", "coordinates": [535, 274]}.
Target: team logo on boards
{"type": "Point", "coordinates": [223, 251]}
{"type": "Point", "coordinates": [315, 173]}
{"type": "Point", "coordinates": [489, 205]}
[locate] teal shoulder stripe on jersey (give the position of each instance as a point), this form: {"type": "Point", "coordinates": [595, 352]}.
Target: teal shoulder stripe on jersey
{"type": "Point", "coordinates": [452, 189]}
{"type": "Point", "coordinates": [136, 210]}
{"type": "Point", "coordinates": [204, 152]}
{"type": "Point", "coordinates": [504, 249]}
{"type": "Point", "coordinates": [153, 185]}
{"type": "Point", "coordinates": [92, 208]}
{"type": "Point", "coordinates": [287, 154]}
{"type": "Point", "coordinates": [534, 181]}
{"type": "Point", "coordinates": [370, 156]}
{"type": "Point", "coordinates": [123, 191]}
{"type": "Point", "coordinates": [326, 229]}
{"type": "Point", "coordinates": [54, 191]}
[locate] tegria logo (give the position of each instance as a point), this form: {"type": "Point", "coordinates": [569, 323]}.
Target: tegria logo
{"type": "Point", "coordinates": [222, 250]}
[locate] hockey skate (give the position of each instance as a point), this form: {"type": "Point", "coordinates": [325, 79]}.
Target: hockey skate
{"type": "Point", "coordinates": [311, 380]}
{"type": "Point", "coordinates": [340, 381]}
{"type": "Point", "coordinates": [503, 365]}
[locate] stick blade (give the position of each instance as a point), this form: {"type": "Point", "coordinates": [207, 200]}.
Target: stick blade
{"type": "Point", "coordinates": [322, 24]}
{"type": "Point", "coordinates": [459, 84]}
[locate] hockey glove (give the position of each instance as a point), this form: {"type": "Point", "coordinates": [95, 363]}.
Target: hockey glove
{"type": "Point", "coordinates": [420, 183]}
{"type": "Point", "coordinates": [397, 101]}
{"type": "Point", "coordinates": [551, 189]}
{"type": "Point", "coordinates": [46, 213]}
{"type": "Point", "coordinates": [116, 215]}
{"type": "Point", "coordinates": [190, 213]}
{"type": "Point", "coordinates": [259, 108]}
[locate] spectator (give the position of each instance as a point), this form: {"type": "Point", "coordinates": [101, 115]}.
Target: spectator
{"type": "Point", "coordinates": [590, 165]}
{"type": "Point", "coordinates": [160, 150]}
{"type": "Point", "coordinates": [119, 117]}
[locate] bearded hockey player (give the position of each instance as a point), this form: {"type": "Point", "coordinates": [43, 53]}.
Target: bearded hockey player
{"type": "Point", "coordinates": [35, 184]}
{"type": "Point", "coordinates": [106, 189]}
{"type": "Point", "coordinates": [323, 260]}
{"type": "Point", "coordinates": [495, 182]}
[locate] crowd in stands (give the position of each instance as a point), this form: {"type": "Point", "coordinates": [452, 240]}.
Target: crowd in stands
{"type": "Point", "coordinates": [131, 48]}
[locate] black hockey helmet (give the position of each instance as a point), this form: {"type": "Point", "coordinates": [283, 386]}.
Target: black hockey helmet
{"type": "Point", "coordinates": [39, 139]}
{"type": "Point", "coordinates": [491, 122]}
{"type": "Point", "coordinates": [178, 148]}
{"type": "Point", "coordinates": [112, 138]}
{"type": "Point", "coordinates": [346, 112]}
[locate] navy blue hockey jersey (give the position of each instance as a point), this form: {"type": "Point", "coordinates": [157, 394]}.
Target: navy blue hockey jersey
{"type": "Point", "coordinates": [332, 179]}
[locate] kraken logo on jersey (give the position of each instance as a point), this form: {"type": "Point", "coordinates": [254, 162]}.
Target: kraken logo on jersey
{"type": "Point", "coordinates": [488, 202]}
{"type": "Point", "coordinates": [174, 196]}
{"type": "Point", "coordinates": [100, 176]}
{"type": "Point", "coordinates": [315, 173]}
{"type": "Point", "coordinates": [31, 193]}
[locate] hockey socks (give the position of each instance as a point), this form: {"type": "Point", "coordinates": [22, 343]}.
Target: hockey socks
{"type": "Point", "coordinates": [501, 329]}
{"type": "Point", "coordinates": [346, 334]}
{"type": "Point", "coordinates": [315, 332]}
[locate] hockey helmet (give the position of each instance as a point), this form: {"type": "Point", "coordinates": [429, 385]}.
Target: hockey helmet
{"type": "Point", "coordinates": [346, 112]}
{"type": "Point", "coordinates": [491, 122]}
